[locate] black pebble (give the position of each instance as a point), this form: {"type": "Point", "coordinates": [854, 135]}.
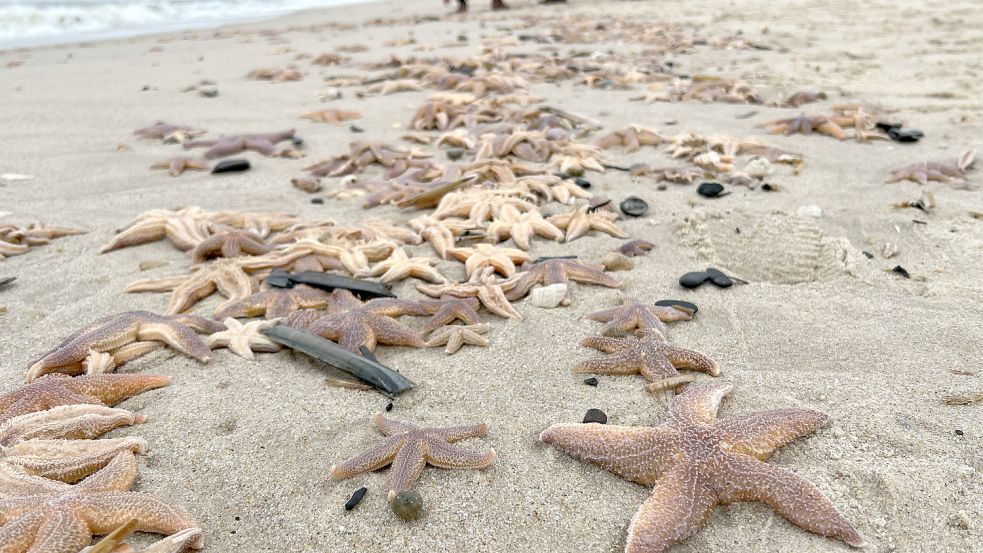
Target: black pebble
{"type": "Point", "coordinates": [6, 280]}
{"type": "Point", "coordinates": [297, 141]}
{"type": "Point", "coordinates": [317, 201]}
{"type": "Point", "coordinates": [694, 279]}
{"type": "Point", "coordinates": [888, 127]}
{"type": "Point", "coordinates": [596, 415]}
{"type": "Point", "coordinates": [591, 381]}
{"type": "Point", "coordinates": [389, 406]}
{"type": "Point", "coordinates": [959, 432]}
{"type": "Point", "coordinates": [679, 304]}
{"type": "Point", "coordinates": [582, 182]}
{"type": "Point", "coordinates": [455, 154]}
{"type": "Point", "coordinates": [902, 135]}
{"type": "Point", "coordinates": [767, 187]}
{"type": "Point", "coordinates": [231, 165]}
{"type": "Point", "coordinates": [634, 206]}
{"type": "Point", "coordinates": [356, 498]}
{"type": "Point", "coordinates": [719, 278]}
{"type": "Point", "coordinates": [356, 128]}
{"type": "Point", "coordinates": [868, 255]}
{"type": "Point", "coordinates": [710, 189]}
{"type": "Point", "coordinates": [901, 271]}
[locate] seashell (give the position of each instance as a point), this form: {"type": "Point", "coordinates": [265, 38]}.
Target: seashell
{"type": "Point", "coordinates": [890, 250]}
{"type": "Point", "coordinates": [548, 297]}
{"type": "Point", "coordinates": [615, 261]}
{"type": "Point", "coordinates": [309, 184]}
{"type": "Point", "coordinates": [758, 167]}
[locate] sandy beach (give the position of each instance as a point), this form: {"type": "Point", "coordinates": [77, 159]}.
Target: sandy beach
{"type": "Point", "coordinates": [246, 446]}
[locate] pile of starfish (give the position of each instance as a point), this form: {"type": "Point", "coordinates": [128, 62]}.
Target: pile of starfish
{"type": "Point", "coordinates": [18, 239]}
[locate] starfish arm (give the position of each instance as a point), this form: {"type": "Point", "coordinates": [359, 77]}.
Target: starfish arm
{"type": "Point", "coordinates": [206, 247]}
{"type": "Point", "coordinates": [744, 478]}
{"type": "Point", "coordinates": [115, 332]}
{"type": "Point", "coordinates": [234, 285]}
{"type": "Point", "coordinates": [520, 286]}
{"type": "Point", "coordinates": [17, 533]}
{"type": "Point", "coordinates": [103, 512]}
{"type": "Point", "coordinates": [67, 421]}
{"type": "Point", "coordinates": [118, 475]}
{"type": "Point", "coordinates": [135, 235]}
{"type": "Point", "coordinates": [683, 358]}
{"type": "Point", "coordinates": [176, 542]}
{"type": "Point", "coordinates": [61, 532]}
{"type": "Point", "coordinates": [407, 466]}
{"type": "Point", "coordinates": [369, 460]}
{"type": "Point", "coordinates": [198, 324]}
{"type": "Point", "coordinates": [176, 336]}
{"type": "Point", "coordinates": [69, 460]}
{"type": "Point", "coordinates": [460, 432]}
{"type": "Point", "coordinates": [190, 292]}
{"type": "Point", "coordinates": [129, 352]}
{"type": "Point", "coordinates": [389, 427]}
{"type": "Point", "coordinates": [604, 343]}
{"type": "Point", "coordinates": [657, 368]}
{"type": "Point", "coordinates": [156, 284]}
{"type": "Point", "coordinates": [495, 301]}
{"type": "Point", "coordinates": [391, 332]}
{"type": "Point", "coordinates": [626, 322]}
{"type": "Point", "coordinates": [760, 434]}
{"type": "Point", "coordinates": [589, 275]}
{"type": "Point", "coordinates": [446, 456]}
{"type": "Point", "coordinates": [699, 402]}
{"type": "Point", "coordinates": [678, 507]}
{"type": "Point", "coordinates": [624, 363]}
{"type": "Point", "coordinates": [16, 481]}
{"type": "Point", "coordinates": [606, 315]}
{"type": "Point", "coordinates": [639, 454]}
{"type": "Point", "coordinates": [114, 388]}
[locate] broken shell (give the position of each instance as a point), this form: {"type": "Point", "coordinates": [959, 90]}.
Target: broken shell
{"type": "Point", "coordinates": [615, 261]}
{"type": "Point", "coordinates": [548, 297]}
{"type": "Point", "coordinates": [890, 250]}
{"type": "Point", "coordinates": [758, 167]}
{"type": "Point", "coordinates": [307, 184]}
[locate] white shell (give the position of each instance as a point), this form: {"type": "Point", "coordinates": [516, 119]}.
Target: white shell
{"type": "Point", "coordinates": [548, 297]}
{"type": "Point", "coordinates": [810, 211]}
{"type": "Point", "coordinates": [758, 167]}
{"type": "Point", "coordinates": [15, 177]}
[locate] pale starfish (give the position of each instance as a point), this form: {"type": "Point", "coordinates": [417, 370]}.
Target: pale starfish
{"type": "Point", "coordinates": [806, 125]}
{"type": "Point", "coordinates": [925, 171]}
{"type": "Point", "coordinates": [632, 138]}
{"type": "Point", "coordinates": [185, 228]}
{"type": "Point", "coordinates": [696, 463]}
{"type": "Point", "coordinates": [409, 448]}
{"type": "Point", "coordinates": [551, 188]}
{"type": "Point", "coordinates": [442, 234]}
{"type": "Point", "coordinates": [223, 275]}
{"type": "Point", "coordinates": [479, 206]}
{"type": "Point", "coordinates": [310, 254]}
{"type": "Point", "coordinates": [557, 271]}
{"type": "Point", "coordinates": [521, 227]}
{"type": "Point", "coordinates": [178, 165]}
{"type": "Point", "coordinates": [120, 334]}
{"type": "Point", "coordinates": [274, 303]}
{"type": "Point", "coordinates": [244, 339]}
{"type": "Point", "coordinates": [174, 543]}
{"type": "Point", "coordinates": [162, 130]}
{"type": "Point", "coordinates": [479, 256]}
{"type": "Point", "coordinates": [482, 285]}
{"type": "Point", "coordinates": [448, 309]}
{"type": "Point", "coordinates": [59, 389]}
{"type": "Point", "coordinates": [275, 74]}
{"type": "Point", "coordinates": [229, 242]}
{"type": "Point", "coordinates": [73, 422]}
{"type": "Point", "coordinates": [649, 355]}
{"type": "Point", "coordinates": [333, 116]}
{"type": "Point", "coordinates": [455, 336]}
{"type": "Point", "coordinates": [65, 522]}
{"type": "Point", "coordinates": [633, 314]}
{"type": "Point", "coordinates": [581, 220]}
{"type": "Point", "coordinates": [392, 87]}
{"type": "Point", "coordinates": [353, 324]}
{"type": "Point", "coordinates": [66, 461]}
{"type": "Point", "coordinates": [400, 266]}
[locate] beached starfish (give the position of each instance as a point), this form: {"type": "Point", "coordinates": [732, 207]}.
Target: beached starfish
{"type": "Point", "coordinates": [581, 220]}
{"type": "Point", "coordinates": [118, 333]}
{"type": "Point", "coordinates": [59, 389]}
{"type": "Point", "coordinates": [264, 143]}
{"type": "Point", "coordinates": [521, 227]}
{"type": "Point", "coordinates": [333, 116]}
{"type": "Point", "coordinates": [178, 165]}
{"type": "Point", "coordinates": [634, 248]}
{"type": "Point", "coordinates": [633, 314]}
{"type": "Point", "coordinates": [482, 285]}
{"type": "Point", "coordinates": [275, 74]}
{"type": "Point", "coordinates": [455, 336]}
{"type": "Point", "coordinates": [557, 271]}
{"type": "Point", "coordinates": [392, 87]}
{"type": "Point", "coordinates": [185, 228]}
{"type": "Point", "coordinates": [632, 138]}
{"type": "Point", "coordinates": [806, 125]}
{"type": "Point", "coordinates": [274, 302]}
{"type": "Point", "coordinates": [244, 339]}
{"type": "Point", "coordinates": [175, 543]}
{"type": "Point", "coordinates": [65, 522]}
{"type": "Point", "coordinates": [223, 275]}
{"type": "Point", "coordinates": [479, 206]}
{"type": "Point", "coordinates": [66, 461]}
{"type": "Point", "coordinates": [925, 171]}
{"type": "Point", "coordinates": [229, 242]}
{"type": "Point", "coordinates": [409, 448]}
{"type": "Point", "coordinates": [448, 309]}
{"type": "Point", "coordinates": [442, 234]}
{"type": "Point", "coordinates": [72, 422]}
{"type": "Point", "coordinates": [353, 324]}
{"type": "Point", "coordinates": [163, 130]}
{"type": "Point", "coordinates": [696, 463]}
{"type": "Point", "coordinates": [400, 266]}
{"type": "Point", "coordinates": [649, 355]}
{"type": "Point", "coordinates": [479, 256]}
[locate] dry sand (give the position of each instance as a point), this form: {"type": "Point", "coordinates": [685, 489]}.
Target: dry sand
{"type": "Point", "coordinates": [246, 446]}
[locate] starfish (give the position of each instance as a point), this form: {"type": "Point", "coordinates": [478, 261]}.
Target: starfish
{"type": "Point", "coordinates": [119, 333]}
{"type": "Point", "coordinates": [650, 355]}
{"type": "Point", "coordinates": [925, 171]}
{"type": "Point", "coordinates": [275, 74]}
{"type": "Point", "coordinates": [329, 58]}
{"type": "Point", "coordinates": [400, 266]}
{"type": "Point", "coordinates": [59, 389]}
{"type": "Point", "coordinates": [333, 116]}
{"type": "Point", "coordinates": [520, 227]}
{"type": "Point", "coordinates": [229, 145]}
{"type": "Point", "coordinates": [223, 275]}
{"type": "Point", "coordinates": [244, 339]}
{"type": "Point", "coordinates": [581, 220]}
{"type": "Point", "coordinates": [448, 309]}
{"type": "Point", "coordinates": [632, 138]}
{"type": "Point", "coordinates": [480, 205]}
{"type": "Point", "coordinates": [482, 285]}
{"type": "Point", "coordinates": [162, 130]}
{"type": "Point", "coordinates": [442, 234]}
{"type": "Point", "coordinates": [634, 248]}
{"type": "Point", "coordinates": [695, 463]}
{"type": "Point", "coordinates": [455, 336]}
{"type": "Point", "coordinates": [185, 228]}
{"type": "Point", "coordinates": [310, 254]}
{"type": "Point", "coordinates": [556, 271]}
{"type": "Point", "coordinates": [178, 165]}
{"type": "Point", "coordinates": [634, 314]}
{"type": "Point", "coordinates": [392, 87]}
{"type": "Point", "coordinates": [274, 303]}
{"type": "Point", "coordinates": [229, 242]}
{"type": "Point", "coordinates": [174, 543]}
{"type": "Point", "coordinates": [502, 260]}
{"type": "Point", "coordinates": [65, 522]}
{"type": "Point", "coordinates": [66, 461]}
{"type": "Point", "coordinates": [806, 125]}
{"type": "Point", "coordinates": [74, 422]}
{"type": "Point", "coordinates": [409, 448]}
{"type": "Point", "coordinates": [353, 324]}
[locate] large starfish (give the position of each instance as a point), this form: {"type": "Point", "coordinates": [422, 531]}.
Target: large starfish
{"type": "Point", "coordinates": [274, 302]}
{"type": "Point", "coordinates": [448, 309]}
{"type": "Point", "coordinates": [73, 422]}
{"type": "Point", "coordinates": [185, 228]}
{"type": "Point", "coordinates": [650, 355]}
{"type": "Point", "coordinates": [353, 324]}
{"type": "Point", "coordinates": [555, 271]}
{"type": "Point", "coordinates": [632, 138]}
{"type": "Point", "coordinates": [502, 260]}
{"type": "Point", "coordinates": [455, 336]}
{"type": "Point", "coordinates": [400, 266]}
{"type": "Point", "coordinates": [581, 220]}
{"type": "Point", "coordinates": [223, 275]}
{"type": "Point", "coordinates": [65, 522]}
{"type": "Point", "coordinates": [309, 254]}
{"type": "Point", "coordinates": [59, 389]}
{"type": "Point", "coordinates": [924, 171]}
{"type": "Point", "coordinates": [244, 339]}
{"type": "Point", "coordinates": [521, 227]}
{"type": "Point", "coordinates": [229, 145]}
{"type": "Point", "coordinates": [806, 125]}
{"type": "Point", "coordinates": [119, 334]}
{"type": "Point", "coordinates": [66, 461]}
{"type": "Point", "coordinates": [229, 242]}
{"type": "Point", "coordinates": [696, 463]}
{"type": "Point", "coordinates": [410, 448]}
{"type": "Point", "coordinates": [482, 285]}
{"type": "Point", "coordinates": [633, 314]}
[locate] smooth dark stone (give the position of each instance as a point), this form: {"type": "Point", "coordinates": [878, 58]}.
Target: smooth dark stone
{"type": "Point", "coordinates": [690, 308]}
{"type": "Point", "coordinates": [356, 128]}
{"type": "Point", "coordinates": [719, 278]}
{"type": "Point", "coordinates": [591, 381]}
{"type": "Point", "coordinates": [959, 432]}
{"type": "Point", "coordinates": [595, 415]}
{"type": "Point", "coordinates": [6, 280]}
{"type": "Point", "coordinates": [455, 154]}
{"type": "Point", "coordinates": [887, 127]}
{"type": "Point", "coordinates": [710, 189]}
{"type": "Point", "coordinates": [868, 255]}
{"type": "Point", "coordinates": [767, 187]}
{"type": "Point", "coordinates": [317, 201]}
{"type": "Point", "coordinates": [547, 258]}
{"type": "Point", "coordinates": [634, 206]}
{"type": "Point", "coordinates": [901, 271]}
{"type": "Point", "coordinates": [582, 182]}
{"type": "Point", "coordinates": [231, 166]}
{"type": "Point", "coordinates": [693, 279]}
{"type": "Point", "coordinates": [905, 135]}
{"type": "Point", "coordinates": [407, 505]}
{"type": "Point", "coordinates": [297, 141]}
{"type": "Point", "coordinates": [356, 498]}
{"type": "Point", "coordinates": [330, 281]}
{"type": "Point", "coordinates": [389, 406]}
